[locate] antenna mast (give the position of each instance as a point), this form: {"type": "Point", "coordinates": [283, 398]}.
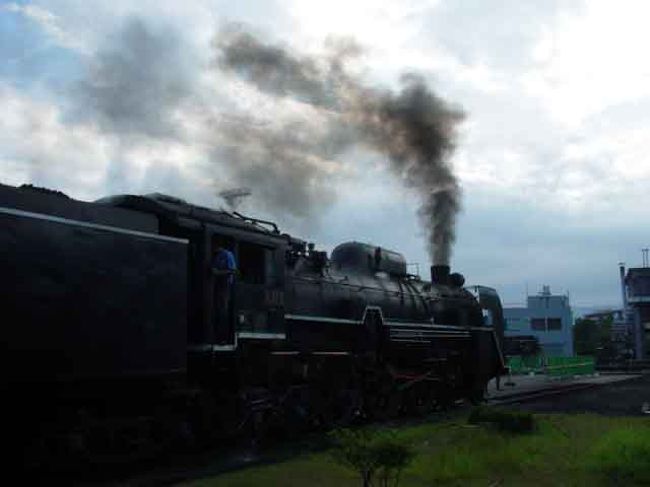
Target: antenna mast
{"type": "Point", "coordinates": [233, 196]}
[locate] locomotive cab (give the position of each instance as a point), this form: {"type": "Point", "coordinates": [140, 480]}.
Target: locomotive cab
{"type": "Point", "coordinates": [251, 306]}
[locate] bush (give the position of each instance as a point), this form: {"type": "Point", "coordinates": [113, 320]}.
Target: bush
{"type": "Point", "coordinates": [378, 456]}
{"type": "Point", "coordinates": [624, 456]}
{"type": "Point", "coordinates": [502, 420]}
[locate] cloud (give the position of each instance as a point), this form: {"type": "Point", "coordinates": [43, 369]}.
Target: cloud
{"type": "Point", "coordinates": [136, 82]}
{"type": "Point", "coordinates": [592, 60]}
{"type": "Point", "coordinates": [35, 146]}
{"type": "Point", "coordinates": [551, 158]}
{"type": "Point", "coordinates": [533, 245]}
{"type": "Point", "coordinates": [51, 25]}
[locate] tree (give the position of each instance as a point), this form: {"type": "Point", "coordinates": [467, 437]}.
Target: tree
{"type": "Point", "coordinates": [585, 336]}
{"type": "Point", "coordinates": [591, 337]}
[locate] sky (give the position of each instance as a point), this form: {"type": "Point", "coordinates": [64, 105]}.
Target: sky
{"type": "Point", "coordinates": [127, 97]}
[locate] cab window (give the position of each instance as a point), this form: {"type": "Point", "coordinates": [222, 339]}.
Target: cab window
{"type": "Point", "coordinates": [488, 317]}
{"type": "Point", "coordinates": [252, 263]}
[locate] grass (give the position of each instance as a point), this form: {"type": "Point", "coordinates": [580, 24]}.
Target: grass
{"type": "Point", "coordinates": [563, 450]}
{"type": "Point", "coordinates": [503, 420]}
{"type": "Point", "coordinates": [623, 455]}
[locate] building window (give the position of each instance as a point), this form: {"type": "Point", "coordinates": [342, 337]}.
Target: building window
{"type": "Point", "coordinates": [554, 323]}
{"type": "Point", "coordinates": [537, 324]}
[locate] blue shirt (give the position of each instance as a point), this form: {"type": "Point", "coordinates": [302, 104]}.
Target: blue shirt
{"type": "Point", "coordinates": [224, 260]}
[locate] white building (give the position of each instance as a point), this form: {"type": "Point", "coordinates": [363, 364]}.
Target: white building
{"type": "Point", "coordinates": [546, 316]}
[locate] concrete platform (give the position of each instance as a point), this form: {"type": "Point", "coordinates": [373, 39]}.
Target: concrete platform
{"type": "Point", "coordinates": [528, 384]}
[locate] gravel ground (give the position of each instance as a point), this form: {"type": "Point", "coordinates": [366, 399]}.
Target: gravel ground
{"type": "Point", "coordinates": [627, 398]}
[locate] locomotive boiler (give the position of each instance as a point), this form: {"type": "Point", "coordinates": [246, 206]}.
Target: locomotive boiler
{"type": "Point", "coordinates": [111, 311]}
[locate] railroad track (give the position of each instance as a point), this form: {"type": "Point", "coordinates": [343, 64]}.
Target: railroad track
{"type": "Point", "coordinates": [549, 390]}
{"type": "Point", "coordinates": [532, 395]}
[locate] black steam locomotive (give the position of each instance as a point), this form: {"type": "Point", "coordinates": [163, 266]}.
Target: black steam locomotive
{"type": "Point", "coordinates": [110, 314]}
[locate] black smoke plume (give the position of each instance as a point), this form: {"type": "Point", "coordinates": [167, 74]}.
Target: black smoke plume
{"type": "Point", "coordinates": [413, 127]}
{"type": "Point", "coordinates": [143, 88]}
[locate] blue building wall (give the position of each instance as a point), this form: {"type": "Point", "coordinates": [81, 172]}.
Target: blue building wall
{"type": "Point", "coordinates": [547, 317]}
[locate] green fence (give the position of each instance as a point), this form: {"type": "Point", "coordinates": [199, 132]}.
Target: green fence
{"type": "Point", "coordinates": [552, 366]}
{"type": "Point", "coordinates": [568, 366]}
{"type": "Point", "coordinates": [524, 365]}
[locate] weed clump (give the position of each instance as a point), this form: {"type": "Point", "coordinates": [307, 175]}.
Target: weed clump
{"type": "Point", "coordinates": [378, 456]}
{"type": "Point", "coordinates": [623, 455]}
{"type": "Point", "coordinates": [502, 420]}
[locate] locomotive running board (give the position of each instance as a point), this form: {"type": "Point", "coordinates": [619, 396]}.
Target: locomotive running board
{"type": "Point", "coordinates": [389, 324]}
{"type": "Point", "coordinates": [321, 319]}
{"type": "Point", "coordinates": [230, 347]}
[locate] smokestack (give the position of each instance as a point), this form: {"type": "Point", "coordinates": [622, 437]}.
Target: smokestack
{"type": "Point", "coordinates": [440, 274]}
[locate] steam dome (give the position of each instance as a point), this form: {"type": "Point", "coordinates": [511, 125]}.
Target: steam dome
{"type": "Point", "coordinates": [366, 258]}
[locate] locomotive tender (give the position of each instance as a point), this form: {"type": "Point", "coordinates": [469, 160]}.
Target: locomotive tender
{"type": "Point", "coordinates": [109, 307]}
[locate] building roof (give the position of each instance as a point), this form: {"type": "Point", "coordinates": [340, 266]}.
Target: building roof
{"type": "Point", "coordinates": [596, 315]}
{"type": "Point", "coordinates": [637, 272]}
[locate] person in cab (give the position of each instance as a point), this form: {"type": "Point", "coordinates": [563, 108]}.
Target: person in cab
{"type": "Point", "coordinates": [224, 270]}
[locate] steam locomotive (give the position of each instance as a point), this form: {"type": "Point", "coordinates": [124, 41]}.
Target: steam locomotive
{"type": "Point", "coordinates": [111, 324]}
